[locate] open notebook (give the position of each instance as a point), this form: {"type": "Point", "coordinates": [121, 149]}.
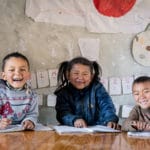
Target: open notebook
{"type": "Point", "coordinates": [18, 127]}
{"type": "Point", "coordinates": [139, 134]}
{"type": "Point", "coordinates": [61, 129]}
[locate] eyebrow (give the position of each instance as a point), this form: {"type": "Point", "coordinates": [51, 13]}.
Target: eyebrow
{"type": "Point", "coordinates": [142, 90]}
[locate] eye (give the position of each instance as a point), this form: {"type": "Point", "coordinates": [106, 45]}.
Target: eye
{"type": "Point", "coordinates": [22, 69]}
{"type": "Point", "coordinates": [75, 73]}
{"type": "Point", "coordinates": [135, 94]}
{"type": "Point", "coordinates": [146, 91]}
{"type": "Point", "coordinates": [85, 74]}
{"type": "Point", "coordinates": [11, 70]}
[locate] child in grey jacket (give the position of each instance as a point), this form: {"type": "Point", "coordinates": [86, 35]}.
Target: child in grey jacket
{"type": "Point", "coordinates": [18, 103]}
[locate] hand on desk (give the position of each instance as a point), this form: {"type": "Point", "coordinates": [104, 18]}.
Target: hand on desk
{"type": "Point", "coordinates": [4, 122]}
{"type": "Point", "coordinates": [29, 125]}
{"type": "Point", "coordinates": [113, 125]}
{"type": "Point", "coordinates": [140, 125]}
{"type": "Point", "coordinates": [80, 123]}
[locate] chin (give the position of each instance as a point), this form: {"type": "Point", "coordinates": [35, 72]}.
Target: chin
{"type": "Point", "coordinates": [17, 87]}
{"type": "Point", "coordinates": [80, 87]}
{"type": "Point", "coordinates": [145, 107]}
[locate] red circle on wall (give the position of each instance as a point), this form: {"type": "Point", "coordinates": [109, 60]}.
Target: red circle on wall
{"type": "Point", "coordinates": [113, 8]}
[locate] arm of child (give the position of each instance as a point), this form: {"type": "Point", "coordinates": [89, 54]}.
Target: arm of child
{"type": "Point", "coordinates": [106, 108]}
{"type": "Point", "coordinates": [129, 123]}
{"type": "Point", "coordinates": [32, 114]}
{"type": "Point", "coordinates": [64, 111]}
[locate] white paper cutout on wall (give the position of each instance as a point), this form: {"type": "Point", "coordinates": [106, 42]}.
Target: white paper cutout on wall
{"type": "Point", "coordinates": [53, 77]}
{"type": "Point", "coordinates": [127, 84]}
{"type": "Point", "coordinates": [40, 99]}
{"type": "Point", "coordinates": [104, 81]}
{"type": "Point", "coordinates": [114, 86]}
{"type": "Point", "coordinates": [117, 106]}
{"type": "Point", "coordinates": [33, 80]}
{"type": "Point", "coordinates": [51, 100]}
{"type": "Point", "coordinates": [42, 79]}
{"type": "Point", "coordinates": [89, 48]}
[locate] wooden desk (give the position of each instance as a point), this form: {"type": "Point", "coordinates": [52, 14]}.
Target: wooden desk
{"type": "Point", "coordinates": [49, 140]}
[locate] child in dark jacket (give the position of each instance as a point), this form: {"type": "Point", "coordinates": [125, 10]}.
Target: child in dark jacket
{"type": "Point", "coordinates": [139, 117]}
{"type": "Point", "coordinates": [81, 99]}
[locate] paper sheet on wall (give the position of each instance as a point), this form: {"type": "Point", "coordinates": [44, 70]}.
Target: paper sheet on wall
{"type": "Point", "coordinates": [42, 79]}
{"type": "Point", "coordinates": [53, 76]}
{"type": "Point", "coordinates": [115, 86]}
{"type": "Point", "coordinates": [40, 99]}
{"type": "Point", "coordinates": [51, 100]}
{"type": "Point", "coordinates": [89, 48]}
{"type": "Point", "coordinates": [127, 84]}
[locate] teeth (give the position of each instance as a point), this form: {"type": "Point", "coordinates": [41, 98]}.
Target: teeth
{"type": "Point", "coordinates": [17, 79]}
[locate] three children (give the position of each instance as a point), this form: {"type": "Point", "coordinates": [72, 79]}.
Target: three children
{"type": "Point", "coordinates": [81, 98]}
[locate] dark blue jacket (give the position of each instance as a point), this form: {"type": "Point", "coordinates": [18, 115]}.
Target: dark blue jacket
{"type": "Point", "coordinates": [93, 104]}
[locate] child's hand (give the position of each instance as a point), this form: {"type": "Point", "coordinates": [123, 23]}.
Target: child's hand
{"type": "Point", "coordinates": [147, 128]}
{"type": "Point", "coordinates": [113, 125]}
{"type": "Point", "coordinates": [4, 122]}
{"type": "Point", "coordinates": [139, 125]}
{"type": "Point", "coordinates": [80, 123]}
{"type": "Point", "coordinates": [29, 125]}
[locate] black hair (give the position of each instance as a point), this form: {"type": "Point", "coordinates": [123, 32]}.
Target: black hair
{"type": "Point", "coordinates": [66, 66]}
{"type": "Point", "coordinates": [14, 54]}
{"type": "Point", "coordinates": [141, 79]}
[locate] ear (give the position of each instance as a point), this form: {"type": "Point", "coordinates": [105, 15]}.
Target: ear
{"type": "Point", "coordinates": [4, 77]}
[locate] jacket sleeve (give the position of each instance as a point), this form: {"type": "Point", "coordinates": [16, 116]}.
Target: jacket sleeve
{"type": "Point", "coordinates": [105, 106]}
{"type": "Point", "coordinates": [133, 116]}
{"type": "Point", "coordinates": [33, 112]}
{"type": "Point", "coordinates": [64, 113]}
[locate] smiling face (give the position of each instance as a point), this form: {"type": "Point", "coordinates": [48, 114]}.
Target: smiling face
{"type": "Point", "coordinates": [80, 76]}
{"type": "Point", "coordinates": [141, 93]}
{"type": "Point", "coordinates": [16, 72]}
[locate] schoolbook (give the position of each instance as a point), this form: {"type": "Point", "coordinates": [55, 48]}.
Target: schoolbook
{"type": "Point", "coordinates": [18, 127]}
{"type": "Point", "coordinates": [139, 134]}
{"type": "Point", "coordinates": [62, 129]}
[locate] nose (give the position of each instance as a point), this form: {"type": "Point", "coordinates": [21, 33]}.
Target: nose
{"type": "Point", "coordinates": [80, 77]}
{"type": "Point", "coordinates": [141, 95]}
{"type": "Point", "coordinates": [17, 71]}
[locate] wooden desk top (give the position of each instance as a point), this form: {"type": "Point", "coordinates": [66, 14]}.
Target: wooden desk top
{"type": "Point", "coordinates": [49, 140]}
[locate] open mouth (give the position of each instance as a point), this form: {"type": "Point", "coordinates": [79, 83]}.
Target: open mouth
{"type": "Point", "coordinates": [17, 80]}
